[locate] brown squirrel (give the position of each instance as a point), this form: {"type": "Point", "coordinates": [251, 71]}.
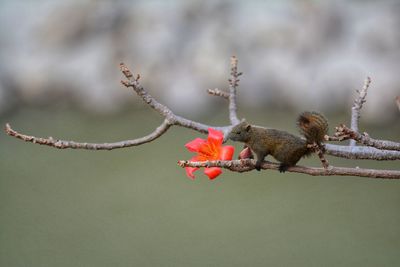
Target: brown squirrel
{"type": "Point", "coordinates": [287, 148]}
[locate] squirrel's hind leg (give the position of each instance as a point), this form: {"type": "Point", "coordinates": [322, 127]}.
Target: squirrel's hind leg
{"type": "Point", "coordinates": [258, 164]}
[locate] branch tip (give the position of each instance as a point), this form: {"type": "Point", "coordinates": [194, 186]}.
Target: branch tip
{"type": "Point", "coordinates": [234, 61]}
{"type": "Point", "coordinates": [7, 127]}
{"type": "Point", "coordinates": [126, 83]}
{"type": "Point", "coordinates": [125, 70]}
{"type": "Point", "coordinates": [217, 92]}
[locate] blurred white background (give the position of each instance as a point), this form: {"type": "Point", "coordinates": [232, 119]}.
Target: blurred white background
{"type": "Point", "coordinates": [294, 54]}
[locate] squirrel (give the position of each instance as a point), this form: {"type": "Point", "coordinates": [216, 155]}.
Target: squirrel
{"type": "Point", "coordinates": [287, 148]}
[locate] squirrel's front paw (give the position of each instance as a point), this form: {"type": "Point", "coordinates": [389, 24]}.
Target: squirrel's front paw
{"type": "Point", "coordinates": [283, 167]}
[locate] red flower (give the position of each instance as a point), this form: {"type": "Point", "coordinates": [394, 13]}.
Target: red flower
{"type": "Point", "coordinates": [210, 149]}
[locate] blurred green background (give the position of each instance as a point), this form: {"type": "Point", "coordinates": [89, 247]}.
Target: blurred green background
{"type": "Point", "coordinates": [136, 207]}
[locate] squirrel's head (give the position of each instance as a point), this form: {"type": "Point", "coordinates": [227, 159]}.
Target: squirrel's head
{"type": "Point", "coordinates": [240, 132]}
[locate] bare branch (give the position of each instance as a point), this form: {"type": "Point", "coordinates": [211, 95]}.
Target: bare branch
{"type": "Point", "coordinates": [245, 165]}
{"type": "Point", "coordinates": [398, 102]}
{"type": "Point", "coordinates": [170, 119]}
{"type": "Point", "coordinates": [147, 98]}
{"type": "Point", "coordinates": [231, 96]}
{"type": "Point", "coordinates": [62, 144]}
{"type": "Point", "coordinates": [388, 150]}
{"type": "Point", "coordinates": [164, 110]}
{"type": "Point", "coordinates": [343, 133]}
{"type": "Point", "coordinates": [233, 84]}
{"type": "Point", "coordinates": [319, 150]}
{"type": "Point", "coordinates": [218, 92]}
{"type": "Point", "coordinates": [361, 152]}
{"type": "Point", "coordinates": [337, 138]}
{"type": "Point", "coordinates": [358, 103]}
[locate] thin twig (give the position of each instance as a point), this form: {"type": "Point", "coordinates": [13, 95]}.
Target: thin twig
{"type": "Point", "coordinates": [343, 133]}
{"type": "Point", "coordinates": [249, 164]}
{"type": "Point", "coordinates": [164, 110]}
{"type": "Point", "coordinates": [319, 150]}
{"type": "Point", "coordinates": [233, 84]}
{"type": "Point", "coordinates": [358, 103]}
{"type": "Point", "coordinates": [62, 144]}
{"type": "Point", "coordinates": [140, 91]}
{"type": "Point", "coordinates": [218, 92]}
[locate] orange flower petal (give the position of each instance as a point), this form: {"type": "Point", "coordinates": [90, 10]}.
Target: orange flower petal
{"type": "Point", "coordinates": [194, 146]}
{"type": "Point", "coordinates": [215, 137]}
{"type": "Point", "coordinates": [210, 149]}
{"type": "Point", "coordinates": [227, 153]}
{"type": "Point", "coordinates": [212, 172]}
{"type": "Point", "coordinates": [190, 171]}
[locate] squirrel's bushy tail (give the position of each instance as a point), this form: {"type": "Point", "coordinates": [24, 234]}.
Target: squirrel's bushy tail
{"type": "Point", "coordinates": [313, 125]}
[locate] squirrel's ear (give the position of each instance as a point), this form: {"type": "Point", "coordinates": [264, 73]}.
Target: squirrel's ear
{"type": "Point", "coordinates": [247, 127]}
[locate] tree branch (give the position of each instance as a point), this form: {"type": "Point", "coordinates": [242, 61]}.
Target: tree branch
{"type": "Point", "coordinates": [361, 152]}
{"type": "Point", "coordinates": [319, 150]}
{"type": "Point", "coordinates": [133, 82]}
{"type": "Point", "coordinates": [172, 118]}
{"type": "Point", "coordinates": [233, 84]}
{"type": "Point", "coordinates": [218, 92]}
{"type": "Point", "coordinates": [62, 144]}
{"type": "Point", "coordinates": [140, 91]}
{"type": "Point", "coordinates": [358, 103]}
{"type": "Point", "coordinates": [344, 133]}
{"type": "Point", "coordinates": [387, 150]}
{"type": "Point", "coordinates": [245, 165]}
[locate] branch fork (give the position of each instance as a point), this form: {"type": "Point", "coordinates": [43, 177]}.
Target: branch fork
{"type": "Point", "coordinates": [373, 148]}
